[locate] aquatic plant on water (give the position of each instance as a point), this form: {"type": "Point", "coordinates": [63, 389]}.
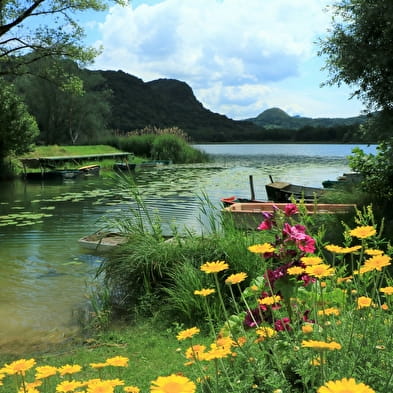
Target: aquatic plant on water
{"type": "Point", "coordinates": [317, 319]}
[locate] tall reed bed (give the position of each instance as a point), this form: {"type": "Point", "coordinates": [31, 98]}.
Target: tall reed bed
{"type": "Point", "coordinates": [159, 144]}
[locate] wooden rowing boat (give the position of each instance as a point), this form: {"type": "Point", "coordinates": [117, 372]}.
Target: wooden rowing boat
{"type": "Point", "coordinates": [102, 241]}
{"type": "Point", "coordinates": [283, 192]}
{"type": "Point", "coordinates": [249, 215]}
{"type": "Point", "coordinates": [233, 199]}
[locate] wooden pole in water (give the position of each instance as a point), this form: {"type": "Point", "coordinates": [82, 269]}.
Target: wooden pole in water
{"type": "Point", "coordinates": [252, 188]}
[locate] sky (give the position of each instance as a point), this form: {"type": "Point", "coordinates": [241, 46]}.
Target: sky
{"type": "Point", "coordinates": [239, 57]}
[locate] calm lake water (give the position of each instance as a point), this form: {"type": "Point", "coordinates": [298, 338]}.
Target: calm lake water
{"type": "Point", "coordinates": [46, 276]}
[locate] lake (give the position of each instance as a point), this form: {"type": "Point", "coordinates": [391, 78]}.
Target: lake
{"type": "Point", "coordinates": [46, 276]}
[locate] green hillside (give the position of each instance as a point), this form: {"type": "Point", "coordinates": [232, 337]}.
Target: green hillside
{"type": "Point", "coordinates": [277, 118]}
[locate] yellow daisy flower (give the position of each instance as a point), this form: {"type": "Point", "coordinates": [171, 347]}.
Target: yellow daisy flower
{"type": "Point", "coordinates": [295, 270]}
{"type": "Point", "coordinates": [264, 332]}
{"type": "Point", "coordinates": [18, 366]}
{"type": "Point", "coordinates": [312, 260]}
{"type": "Point", "coordinates": [373, 252]}
{"type": "Point", "coordinates": [236, 278]}
{"type": "Point", "coordinates": [214, 267]}
{"type": "Point", "coordinates": [68, 386]}
{"type": "Point", "coordinates": [98, 365]}
{"type": "Point", "coordinates": [376, 262]}
{"type": "Point", "coordinates": [321, 345]}
{"type": "Point", "coordinates": [364, 302]}
{"type": "Point", "coordinates": [342, 250]}
{"type": "Point", "coordinates": [387, 290]}
{"type": "Point", "coordinates": [363, 232]}
{"type": "Point", "coordinates": [195, 351]}
{"type": "Point", "coordinates": [101, 386]}
{"type": "Point", "coordinates": [320, 271]}
{"type": "Point", "coordinates": [188, 333]}
{"type": "Point", "coordinates": [333, 248]}
{"type": "Point", "coordinates": [216, 352]}
{"type": "Point", "coordinates": [69, 369]}
{"type": "Point", "coordinates": [131, 389]}
{"type": "Point", "coordinates": [45, 372]}
{"type": "Point", "coordinates": [329, 311]}
{"type": "Point", "coordinates": [117, 361]}
{"type": "Point", "coordinates": [347, 385]}
{"type": "Point", "coordinates": [204, 291]}
{"type": "Point", "coordinates": [307, 328]}
{"type": "Point", "coordinates": [261, 248]}
{"type": "Point", "coordinates": [173, 383]}
{"type": "Point", "coordinates": [270, 300]}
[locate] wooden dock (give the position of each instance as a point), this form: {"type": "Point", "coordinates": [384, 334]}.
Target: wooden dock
{"type": "Point", "coordinates": [53, 162]}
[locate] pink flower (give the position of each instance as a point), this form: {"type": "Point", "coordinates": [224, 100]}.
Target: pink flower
{"type": "Point", "coordinates": [282, 324]}
{"type": "Point", "coordinates": [290, 209]}
{"type": "Point", "coordinates": [296, 232]}
{"type": "Point", "coordinates": [307, 279]}
{"type": "Point", "coordinates": [307, 244]}
{"type": "Point", "coordinates": [265, 225]}
{"type": "Point", "coordinates": [254, 317]}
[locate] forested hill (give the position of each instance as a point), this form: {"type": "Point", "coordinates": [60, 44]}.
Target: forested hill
{"type": "Point", "coordinates": [136, 104]}
{"type": "Point", "coordinates": [277, 118]}
{"type": "Point", "coordinates": [167, 103]}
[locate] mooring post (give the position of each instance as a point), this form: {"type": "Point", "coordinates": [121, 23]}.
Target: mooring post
{"type": "Point", "coordinates": [252, 188]}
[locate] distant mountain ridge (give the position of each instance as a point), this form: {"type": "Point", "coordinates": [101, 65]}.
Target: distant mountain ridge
{"type": "Point", "coordinates": [165, 103]}
{"type": "Point", "coordinates": [277, 118]}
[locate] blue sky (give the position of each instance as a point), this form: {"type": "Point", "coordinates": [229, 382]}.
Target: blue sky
{"type": "Point", "coordinates": [239, 57]}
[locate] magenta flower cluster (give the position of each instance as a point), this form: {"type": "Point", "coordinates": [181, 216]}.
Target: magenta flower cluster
{"type": "Point", "coordinates": [291, 244]}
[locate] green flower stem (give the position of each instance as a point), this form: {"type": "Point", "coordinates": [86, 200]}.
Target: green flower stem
{"type": "Point", "coordinates": [234, 299]}
{"type": "Point", "coordinates": [222, 300]}
{"type": "Point", "coordinates": [213, 330]}
{"type": "Point", "coordinates": [198, 362]}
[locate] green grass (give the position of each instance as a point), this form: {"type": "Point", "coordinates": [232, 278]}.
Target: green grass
{"type": "Point", "coordinates": [152, 351]}
{"type": "Point", "coordinates": [57, 151]}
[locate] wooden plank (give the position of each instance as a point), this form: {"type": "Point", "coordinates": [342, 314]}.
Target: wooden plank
{"type": "Point", "coordinates": [50, 161]}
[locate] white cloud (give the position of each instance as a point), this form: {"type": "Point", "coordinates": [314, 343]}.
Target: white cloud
{"type": "Point", "coordinates": [232, 53]}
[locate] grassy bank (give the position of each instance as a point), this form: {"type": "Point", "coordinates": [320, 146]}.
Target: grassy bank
{"type": "Point", "coordinates": [150, 348]}
{"type": "Point", "coordinates": [60, 151]}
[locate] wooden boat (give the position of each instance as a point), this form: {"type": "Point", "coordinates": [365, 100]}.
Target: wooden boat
{"type": "Point", "coordinates": [102, 241]}
{"type": "Point", "coordinates": [343, 180]}
{"type": "Point", "coordinates": [87, 170]}
{"type": "Point", "coordinates": [124, 166]}
{"type": "Point", "coordinates": [249, 215]}
{"type": "Point", "coordinates": [153, 163]}
{"type": "Point", "coordinates": [90, 170]}
{"type": "Point", "coordinates": [283, 192]}
{"type": "Point", "coordinates": [233, 199]}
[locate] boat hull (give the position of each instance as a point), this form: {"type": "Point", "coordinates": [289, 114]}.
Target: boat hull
{"type": "Point", "coordinates": [102, 241]}
{"type": "Point", "coordinates": [284, 192]}
{"type": "Point", "coordinates": [249, 215]}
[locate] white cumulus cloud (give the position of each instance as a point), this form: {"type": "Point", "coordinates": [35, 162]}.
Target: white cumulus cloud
{"type": "Point", "coordinates": [233, 54]}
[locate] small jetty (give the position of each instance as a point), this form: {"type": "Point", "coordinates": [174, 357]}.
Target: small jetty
{"type": "Point", "coordinates": [51, 163]}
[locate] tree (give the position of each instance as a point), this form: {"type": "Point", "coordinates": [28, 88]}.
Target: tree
{"type": "Point", "coordinates": [17, 127]}
{"type": "Point", "coordinates": [75, 109]}
{"type": "Point", "coordinates": [359, 52]}
{"type": "Point", "coordinates": [34, 29]}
